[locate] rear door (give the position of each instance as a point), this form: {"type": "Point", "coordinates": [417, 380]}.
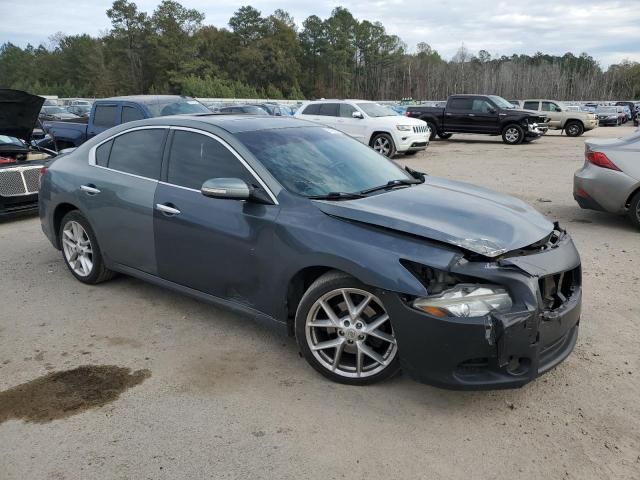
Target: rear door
{"type": "Point", "coordinates": [217, 246]}
{"type": "Point", "coordinates": [456, 115]}
{"type": "Point", "coordinates": [120, 195]}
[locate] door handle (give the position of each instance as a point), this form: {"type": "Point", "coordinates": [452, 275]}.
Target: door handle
{"type": "Point", "coordinates": [448, 114]}
{"type": "Point", "coordinates": [167, 209]}
{"type": "Point", "coordinates": [472, 114]}
{"type": "Point", "coordinates": [89, 189]}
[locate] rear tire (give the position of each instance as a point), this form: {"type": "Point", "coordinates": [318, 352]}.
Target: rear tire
{"type": "Point", "coordinates": [574, 129]}
{"type": "Point", "coordinates": [351, 343]}
{"type": "Point", "coordinates": [80, 250]}
{"type": "Point", "coordinates": [634, 210]}
{"type": "Point", "coordinates": [512, 134]}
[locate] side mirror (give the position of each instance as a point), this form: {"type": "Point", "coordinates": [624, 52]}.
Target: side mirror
{"type": "Point", "coordinates": [227, 188]}
{"type": "Point", "coordinates": [491, 109]}
{"type": "Point", "coordinates": [357, 115]}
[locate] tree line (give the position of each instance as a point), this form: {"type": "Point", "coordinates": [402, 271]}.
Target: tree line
{"type": "Point", "coordinates": [171, 50]}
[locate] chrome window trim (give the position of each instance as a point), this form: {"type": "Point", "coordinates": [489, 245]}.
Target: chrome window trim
{"type": "Point", "coordinates": [234, 153]}
{"type": "Point", "coordinates": [92, 156]}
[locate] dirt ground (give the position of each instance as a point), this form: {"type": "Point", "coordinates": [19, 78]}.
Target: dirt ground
{"type": "Point", "coordinates": [213, 395]}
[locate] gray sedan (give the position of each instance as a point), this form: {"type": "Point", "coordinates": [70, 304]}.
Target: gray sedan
{"type": "Point", "coordinates": [609, 180]}
{"type": "Point", "coordinates": [370, 266]}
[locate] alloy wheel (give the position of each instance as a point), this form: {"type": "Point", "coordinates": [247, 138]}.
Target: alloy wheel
{"type": "Point", "coordinates": [349, 332]}
{"type": "Point", "coordinates": [573, 130]}
{"type": "Point", "coordinates": [77, 248]}
{"type": "Point", "coordinates": [512, 135]}
{"type": "Point", "coordinates": [382, 145]}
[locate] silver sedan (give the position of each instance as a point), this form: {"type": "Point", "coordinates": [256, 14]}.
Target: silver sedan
{"type": "Point", "coordinates": [609, 180]}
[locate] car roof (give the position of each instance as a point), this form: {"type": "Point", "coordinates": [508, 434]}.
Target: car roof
{"type": "Point", "coordinates": [339, 100]}
{"type": "Point", "coordinates": [146, 99]}
{"type": "Point", "coordinates": [230, 123]}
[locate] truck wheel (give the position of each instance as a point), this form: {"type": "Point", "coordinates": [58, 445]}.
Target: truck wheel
{"type": "Point", "coordinates": [512, 134]}
{"type": "Point", "coordinates": [445, 136]}
{"type": "Point", "coordinates": [383, 143]}
{"type": "Point", "coordinates": [434, 130]}
{"type": "Point", "coordinates": [574, 129]}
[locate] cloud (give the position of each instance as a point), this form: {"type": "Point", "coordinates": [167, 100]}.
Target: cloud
{"type": "Point", "coordinates": [609, 30]}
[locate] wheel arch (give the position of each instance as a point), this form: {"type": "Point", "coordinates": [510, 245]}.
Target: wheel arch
{"type": "Point", "coordinates": [298, 285]}
{"type": "Point", "coordinates": [576, 120]}
{"type": "Point", "coordinates": [378, 132]}
{"type": "Point", "coordinates": [58, 214]}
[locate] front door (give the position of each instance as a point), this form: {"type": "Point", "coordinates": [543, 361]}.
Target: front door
{"type": "Point", "coordinates": [217, 246]}
{"type": "Point", "coordinates": [483, 116]}
{"type": "Point", "coordinates": [120, 195]}
{"type": "Point", "coordinates": [554, 112]}
{"type": "Point", "coordinates": [354, 127]}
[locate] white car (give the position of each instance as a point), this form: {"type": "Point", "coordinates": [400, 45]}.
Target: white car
{"type": "Point", "coordinates": [370, 123]}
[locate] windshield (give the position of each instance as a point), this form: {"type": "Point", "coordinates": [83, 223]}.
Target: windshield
{"type": "Point", "coordinates": [501, 102]}
{"type": "Point", "coordinates": [176, 107]}
{"type": "Point", "coordinates": [311, 161]}
{"type": "Point", "coordinates": [607, 109]}
{"type": "Point", "coordinates": [376, 110]}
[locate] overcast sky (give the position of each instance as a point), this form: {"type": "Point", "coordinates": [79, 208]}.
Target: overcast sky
{"type": "Point", "coordinates": [608, 30]}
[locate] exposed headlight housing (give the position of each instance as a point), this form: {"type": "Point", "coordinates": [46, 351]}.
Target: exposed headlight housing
{"type": "Point", "coordinates": [404, 128]}
{"type": "Point", "coordinates": [466, 300]}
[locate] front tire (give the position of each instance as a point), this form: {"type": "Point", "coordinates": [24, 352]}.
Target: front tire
{"type": "Point", "coordinates": [634, 210]}
{"type": "Point", "coordinates": [344, 332]}
{"type": "Point", "coordinates": [574, 129]}
{"type": "Point", "coordinates": [383, 144]}
{"type": "Point", "coordinates": [433, 129]}
{"type": "Point", "coordinates": [80, 250]}
{"type": "Point", "coordinates": [445, 136]}
{"type": "Point", "coordinates": [512, 134]}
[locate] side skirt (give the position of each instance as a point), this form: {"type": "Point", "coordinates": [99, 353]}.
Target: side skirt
{"type": "Point", "coordinates": [235, 307]}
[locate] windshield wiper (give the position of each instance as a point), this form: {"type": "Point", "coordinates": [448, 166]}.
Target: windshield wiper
{"type": "Point", "coordinates": [337, 196]}
{"type": "Point", "coordinates": [392, 184]}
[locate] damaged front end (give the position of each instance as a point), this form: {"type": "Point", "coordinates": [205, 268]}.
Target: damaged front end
{"type": "Point", "coordinates": [492, 322]}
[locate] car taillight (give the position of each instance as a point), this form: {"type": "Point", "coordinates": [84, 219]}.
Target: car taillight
{"type": "Point", "coordinates": [407, 114]}
{"type": "Point", "coordinates": [6, 160]}
{"type": "Point", "coordinates": [43, 170]}
{"type": "Point", "coordinates": [599, 159]}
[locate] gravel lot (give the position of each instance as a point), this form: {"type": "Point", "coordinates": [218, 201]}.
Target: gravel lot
{"type": "Point", "coordinates": [212, 395]}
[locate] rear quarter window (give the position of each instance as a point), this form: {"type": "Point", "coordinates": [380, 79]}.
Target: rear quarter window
{"type": "Point", "coordinates": [102, 153]}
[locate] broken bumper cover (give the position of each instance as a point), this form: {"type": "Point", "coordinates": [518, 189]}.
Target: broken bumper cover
{"type": "Point", "coordinates": [498, 350]}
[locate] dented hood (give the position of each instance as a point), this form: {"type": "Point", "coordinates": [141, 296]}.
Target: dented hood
{"type": "Point", "coordinates": [474, 218]}
{"type": "Point", "coordinates": [18, 113]}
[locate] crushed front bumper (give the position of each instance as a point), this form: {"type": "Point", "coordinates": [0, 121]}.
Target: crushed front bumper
{"type": "Point", "coordinates": [494, 351]}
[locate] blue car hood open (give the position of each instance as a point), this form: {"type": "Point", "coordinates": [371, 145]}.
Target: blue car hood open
{"type": "Point", "coordinates": [474, 218]}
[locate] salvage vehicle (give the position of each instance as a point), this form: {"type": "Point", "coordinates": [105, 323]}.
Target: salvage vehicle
{"type": "Point", "coordinates": [109, 112]}
{"type": "Point", "coordinates": [484, 114]}
{"type": "Point", "coordinates": [574, 123]}
{"type": "Point", "coordinates": [608, 115]}
{"type": "Point", "coordinates": [609, 180]}
{"type": "Point", "coordinates": [21, 157]}
{"type": "Point", "coordinates": [370, 123]}
{"type": "Point", "coordinates": [371, 267]}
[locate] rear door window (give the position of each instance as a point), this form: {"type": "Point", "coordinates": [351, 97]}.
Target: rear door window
{"type": "Point", "coordinates": [138, 152]}
{"type": "Point", "coordinates": [195, 158]}
{"type": "Point", "coordinates": [105, 116]}
{"type": "Point", "coordinates": [460, 104]}
{"type": "Point", "coordinates": [329, 109]}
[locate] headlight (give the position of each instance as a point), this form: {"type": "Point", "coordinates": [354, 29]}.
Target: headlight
{"type": "Point", "coordinates": [404, 128]}
{"type": "Point", "coordinates": [465, 300]}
